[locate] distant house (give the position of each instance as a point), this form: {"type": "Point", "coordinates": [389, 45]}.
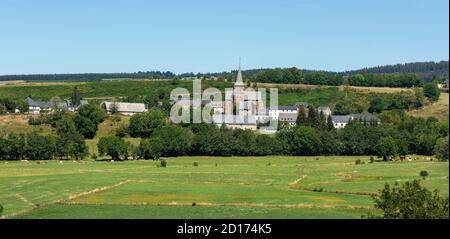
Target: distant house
{"type": "Point", "coordinates": [125, 108]}
{"type": "Point", "coordinates": [275, 111]}
{"type": "Point", "coordinates": [36, 107]}
{"type": "Point", "coordinates": [235, 121]}
{"type": "Point", "coordinates": [290, 118]}
{"type": "Point", "coordinates": [340, 121]}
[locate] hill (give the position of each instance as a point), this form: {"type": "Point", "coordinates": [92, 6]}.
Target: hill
{"type": "Point", "coordinates": [427, 70]}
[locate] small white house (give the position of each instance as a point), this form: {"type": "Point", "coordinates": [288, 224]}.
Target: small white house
{"type": "Point", "coordinates": [274, 112]}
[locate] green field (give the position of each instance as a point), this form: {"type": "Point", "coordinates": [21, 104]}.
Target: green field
{"type": "Point", "coordinates": [220, 187]}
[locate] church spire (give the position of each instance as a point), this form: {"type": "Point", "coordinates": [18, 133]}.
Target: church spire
{"type": "Point", "coordinates": [239, 81]}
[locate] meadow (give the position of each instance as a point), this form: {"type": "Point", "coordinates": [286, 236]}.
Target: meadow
{"type": "Point", "coordinates": [219, 187]}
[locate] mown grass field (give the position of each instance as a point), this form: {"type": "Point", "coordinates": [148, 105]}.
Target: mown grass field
{"type": "Point", "coordinates": [220, 187]}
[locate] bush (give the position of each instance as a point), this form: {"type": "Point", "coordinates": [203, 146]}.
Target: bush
{"type": "Point", "coordinates": [94, 156]}
{"type": "Point", "coordinates": [195, 164]}
{"type": "Point", "coordinates": [411, 201]}
{"type": "Point", "coordinates": [358, 161]}
{"type": "Point", "coordinates": [1, 210]}
{"type": "Point", "coordinates": [372, 160]}
{"type": "Point", "coordinates": [122, 131]}
{"type": "Point", "coordinates": [423, 174]}
{"type": "Point", "coordinates": [163, 163]}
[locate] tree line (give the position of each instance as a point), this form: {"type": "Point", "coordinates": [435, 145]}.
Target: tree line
{"type": "Point", "coordinates": [398, 136]}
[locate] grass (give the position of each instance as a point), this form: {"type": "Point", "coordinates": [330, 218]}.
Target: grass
{"type": "Point", "coordinates": [439, 109]}
{"type": "Point", "coordinates": [220, 187]}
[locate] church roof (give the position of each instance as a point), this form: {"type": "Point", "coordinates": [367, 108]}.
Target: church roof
{"type": "Point", "coordinates": [239, 80]}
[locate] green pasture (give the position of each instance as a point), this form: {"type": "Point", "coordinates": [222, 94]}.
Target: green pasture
{"type": "Point", "coordinates": [219, 187]}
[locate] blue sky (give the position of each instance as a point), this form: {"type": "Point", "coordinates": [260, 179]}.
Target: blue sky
{"type": "Point", "coordinates": [44, 36]}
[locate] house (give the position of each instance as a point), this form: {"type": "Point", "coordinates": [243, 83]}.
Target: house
{"type": "Point", "coordinates": [290, 118]}
{"type": "Point", "coordinates": [235, 121]}
{"type": "Point", "coordinates": [304, 105]}
{"type": "Point", "coordinates": [274, 112]}
{"type": "Point", "coordinates": [340, 121]}
{"type": "Point", "coordinates": [125, 108]}
{"type": "Point", "coordinates": [325, 110]}
{"type": "Point", "coordinates": [36, 107]}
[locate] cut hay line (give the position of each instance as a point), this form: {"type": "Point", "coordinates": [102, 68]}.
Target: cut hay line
{"type": "Point", "coordinates": [23, 199]}
{"type": "Point", "coordinates": [208, 204]}
{"type": "Point", "coordinates": [96, 190]}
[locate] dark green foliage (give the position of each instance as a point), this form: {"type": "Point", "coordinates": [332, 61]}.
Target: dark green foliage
{"type": "Point", "coordinates": [411, 201]}
{"type": "Point", "coordinates": [151, 148]}
{"type": "Point", "coordinates": [92, 112]}
{"type": "Point", "coordinates": [302, 118]}
{"type": "Point", "coordinates": [85, 126]}
{"type": "Point", "coordinates": [306, 141]}
{"type": "Point", "coordinates": [163, 163]}
{"type": "Point", "coordinates": [175, 139]}
{"type": "Point", "coordinates": [431, 91]}
{"type": "Point", "coordinates": [113, 146]}
{"type": "Point", "coordinates": [12, 146]}
{"type": "Point", "coordinates": [40, 147]}
{"type": "Point", "coordinates": [377, 105]}
{"type": "Point", "coordinates": [423, 174]}
{"type": "Point", "coordinates": [143, 125]}
{"type": "Point", "coordinates": [75, 98]}
{"type": "Point", "coordinates": [387, 148]}
{"type": "Point", "coordinates": [441, 149]}
{"type": "Point", "coordinates": [195, 164]}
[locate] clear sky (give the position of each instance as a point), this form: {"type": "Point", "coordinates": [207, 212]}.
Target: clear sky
{"type": "Point", "coordinates": [64, 36]}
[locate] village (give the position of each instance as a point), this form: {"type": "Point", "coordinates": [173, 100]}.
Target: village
{"type": "Point", "coordinates": [242, 109]}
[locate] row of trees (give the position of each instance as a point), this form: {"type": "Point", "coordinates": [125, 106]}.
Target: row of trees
{"type": "Point", "coordinates": [8, 105]}
{"type": "Point", "coordinates": [35, 146]}
{"type": "Point", "coordinates": [398, 135]}
{"type": "Point", "coordinates": [296, 76]}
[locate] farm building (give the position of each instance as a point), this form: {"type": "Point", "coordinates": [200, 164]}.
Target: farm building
{"type": "Point", "coordinates": [125, 108]}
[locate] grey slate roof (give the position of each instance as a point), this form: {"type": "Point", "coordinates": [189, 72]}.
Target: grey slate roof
{"type": "Point", "coordinates": [283, 107]}
{"type": "Point", "coordinates": [36, 103]}
{"type": "Point", "coordinates": [289, 117]}
{"type": "Point", "coordinates": [302, 104]}
{"type": "Point", "coordinates": [341, 118]}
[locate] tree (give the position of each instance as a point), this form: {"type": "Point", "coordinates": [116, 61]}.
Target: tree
{"type": "Point", "coordinates": [39, 147]}
{"type": "Point", "coordinates": [65, 126]}
{"type": "Point", "coordinates": [176, 140]}
{"type": "Point", "coordinates": [85, 126]}
{"type": "Point", "coordinates": [313, 117]}
{"type": "Point", "coordinates": [423, 174]}
{"type": "Point", "coordinates": [92, 112]}
{"type": "Point", "coordinates": [143, 125]}
{"type": "Point", "coordinates": [411, 201]}
{"type": "Point", "coordinates": [431, 91]}
{"type": "Point", "coordinates": [75, 98]}
{"type": "Point", "coordinates": [441, 149]}
{"type": "Point", "coordinates": [387, 148]}
{"type": "Point", "coordinates": [302, 119]}
{"type": "Point", "coordinates": [113, 146]}
{"type": "Point", "coordinates": [330, 125]}
{"type": "Point", "coordinates": [305, 141]}
{"type": "Point", "coordinates": [151, 148]}
{"type": "Point", "coordinates": [377, 105]}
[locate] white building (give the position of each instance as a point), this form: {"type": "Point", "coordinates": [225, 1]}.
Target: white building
{"type": "Point", "coordinates": [275, 111]}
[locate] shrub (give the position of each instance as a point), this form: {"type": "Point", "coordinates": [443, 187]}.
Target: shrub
{"type": "Point", "coordinates": [372, 159]}
{"type": "Point", "coordinates": [163, 163]}
{"type": "Point", "coordinates": [1, 209]}
{"type": "Point", "coordinates": [358, 161]}
{"type": "Point", "coordinates": [195, 164]}
{"type": "Point", "coordinates": [411, 201]}
{"type": "Point", "coordinates": [423, 174]}
{"type": "Point", "coordinates": [122, 131]}
{"type": "Point", "coordinates": [94, 156]}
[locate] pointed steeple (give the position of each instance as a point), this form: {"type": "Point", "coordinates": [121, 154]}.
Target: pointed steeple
{"type": "Point", "coordinates": [239, 80]}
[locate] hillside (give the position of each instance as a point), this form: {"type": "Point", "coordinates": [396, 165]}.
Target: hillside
{"type": "Point", "coordinates": [427, 70]}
